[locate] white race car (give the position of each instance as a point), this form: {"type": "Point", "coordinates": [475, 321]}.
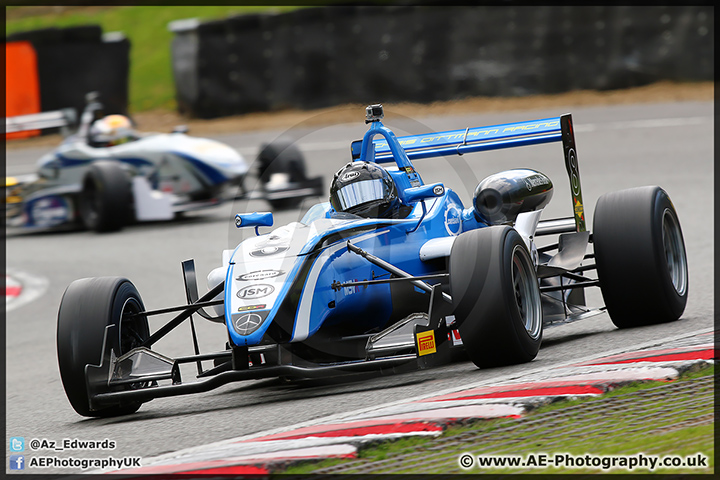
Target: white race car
{"type": "Point", "coordinates": [108, 175]}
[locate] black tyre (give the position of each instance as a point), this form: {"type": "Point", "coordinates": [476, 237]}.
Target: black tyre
{"type": "Point", "coordinates": [284, 203]}
{"type": "Point", "coordinates": [281, 156]}
{"type": "Point", "coordinates": [105, 203]}
{"type": "Point", "coordinates": [496, 296]}
{"type": "Point", "coordinates": [88, 306]}
{"type": "Point", "coordinates": [640, 256]}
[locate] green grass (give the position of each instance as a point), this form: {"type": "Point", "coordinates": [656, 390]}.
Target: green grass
{"type": "Point", "coordinates": [600, 432]}
{"type": "Point", "coordinates": [151, 82]}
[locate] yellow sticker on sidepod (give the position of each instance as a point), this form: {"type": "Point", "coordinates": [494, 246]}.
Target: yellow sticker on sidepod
{"type": "Point", "coordinates": [579, 209]}
{"type": "Point", "coordinates": [426, 343]}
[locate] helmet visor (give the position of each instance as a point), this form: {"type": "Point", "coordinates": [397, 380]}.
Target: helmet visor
{"type": "Point", "coordinates": [358, 193]}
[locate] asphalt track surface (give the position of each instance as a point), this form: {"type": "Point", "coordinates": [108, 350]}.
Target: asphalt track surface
{"type": "Point", "coordinates": [666, 144]}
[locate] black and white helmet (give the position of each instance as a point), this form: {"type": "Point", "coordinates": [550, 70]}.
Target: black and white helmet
{"type": "Point", "coordinates": [365, 189]}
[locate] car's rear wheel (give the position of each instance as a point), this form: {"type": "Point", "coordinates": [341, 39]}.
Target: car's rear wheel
{"type": "Point", "coordinates": [279, 163]}
{"type": "Point", "coordinates": [88, 307]}
{"type": "Point", "coordinates": [640, 255]}
{"type": "Point", "coordinates": [105, 202]}
{"type": "Point", "coordinates": [496, 296]}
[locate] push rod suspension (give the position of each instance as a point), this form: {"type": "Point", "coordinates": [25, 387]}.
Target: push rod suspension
{"type": "Point", "coordinates": [177, 309]}
{"type": "Point", "coordinates": [189, 310]}
{"type": "Point", "coordinates": [394, 270]}
{"type": "Point", "coordinates": [570, 286]}
{"type": "Point", "coordinates": [337, 285]}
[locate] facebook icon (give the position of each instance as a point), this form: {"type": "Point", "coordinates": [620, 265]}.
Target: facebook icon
{"type": "Point", "coordinates": [17, 462]}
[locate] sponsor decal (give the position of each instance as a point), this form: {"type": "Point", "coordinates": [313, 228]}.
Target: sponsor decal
{"type": "Point", "coordinates": [269, 250]}
{"type": "Point", "coordinates": [579, 210]}
{"type": "Point", "coordinates": [49, 211]}
{"type": "Point", "coordinates": [536, 181]}
{"type": "Point", "coordinates": [352, 289]}
{"type": "Point", "coordinates": [574, 171]}
{"type": "Point", "coordinates": [482, 133]}
{"type": "Point", "coordinates": [250, 308]}
{"type": "Point", "coordinates": [255, 291]}
{"type": "Point", "coordinates": [439, 190]}
{"type": "Point", "coordinates": [247, 323]}
{"type": "Point", "coordinates": [259, 275]}
{"type": "Point", "coordinates": [349, 176]}
{"type": "Point", "coordinates": [453, 222]}
{"type": "Point", "coordinates": [412, 176]}
{"type": "Point", "coordinates": [532, 126]}
{"type": "Point", "coordinates": [426, 343]}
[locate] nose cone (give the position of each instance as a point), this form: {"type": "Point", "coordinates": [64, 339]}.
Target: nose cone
{"type": "Point", "coordinates": [259, 278]}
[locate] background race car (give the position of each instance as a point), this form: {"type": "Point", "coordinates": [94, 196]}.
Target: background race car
{"type": "Point", "coordinates": [107, 175]}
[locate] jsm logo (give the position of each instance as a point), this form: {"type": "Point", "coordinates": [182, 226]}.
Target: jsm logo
{"type": "Point", "coordinates": [255, 291]}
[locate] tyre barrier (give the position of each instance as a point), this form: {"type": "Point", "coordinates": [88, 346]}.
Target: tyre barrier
{"type": "Point", "coordinates": [69, 63]}
{"type": "Point", "coordinates": [320, 57]}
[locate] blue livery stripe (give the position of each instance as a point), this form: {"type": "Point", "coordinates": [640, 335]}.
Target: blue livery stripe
{"type": "Point", "coordinates": [212, 173]}
{"type": "Point", "coordinates": [62, 161]}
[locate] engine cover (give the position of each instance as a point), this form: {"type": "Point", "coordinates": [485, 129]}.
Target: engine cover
{"type": "Point", "coordinates": [499, 198]}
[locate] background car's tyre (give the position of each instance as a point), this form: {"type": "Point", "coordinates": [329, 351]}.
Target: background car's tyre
{"type": "Point", "coordinates": [496, 296]}
{"type": "Point", "coordinates": [105, 202]}
{"type": "Point", "coordinates": [88, 306]}
{"type": "Point", "coordinates": [281, 156]}
{"type": "Point", "coordinates": [640, 257]}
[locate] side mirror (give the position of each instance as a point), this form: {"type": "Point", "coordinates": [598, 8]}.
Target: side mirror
{"type": "Point", "coordinates": [256, 219]}
{"type": "Point", "coordinates": [415, 194]}
{"type": "Point", "coordinates": [180, 129]}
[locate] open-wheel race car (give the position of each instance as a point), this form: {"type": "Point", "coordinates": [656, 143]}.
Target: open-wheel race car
{"type": "Point", "coordinates": [107, 175]}
{"type": "Point", "coordinates": [391, 272]}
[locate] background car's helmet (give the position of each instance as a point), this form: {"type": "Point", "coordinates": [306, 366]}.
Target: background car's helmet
{"type": "Point", "coordinates": [365, 189]}
{"type": "Point", "coordinates": [112, 130]}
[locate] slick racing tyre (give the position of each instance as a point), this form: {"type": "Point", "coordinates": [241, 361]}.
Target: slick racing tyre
{"type": "Point", "coordinates": [105, 202]}
{"type": "Point", "coordinates": [640, 257]}
{"type": "Point", "coordinates": [281, 163]}
{"type": "Point", "coordinates": [88, 307]}
{"type": "Point", "coordinates": [496, 296]}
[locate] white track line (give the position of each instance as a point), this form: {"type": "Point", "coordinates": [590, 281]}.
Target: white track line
{"type": "Point", "coordinates": [32, 288]}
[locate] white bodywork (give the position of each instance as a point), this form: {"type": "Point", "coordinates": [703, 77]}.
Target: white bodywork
{"type": "Point", "coordinates": [166, 155]}
{"type": "Point", "coordinates": [169, 173]}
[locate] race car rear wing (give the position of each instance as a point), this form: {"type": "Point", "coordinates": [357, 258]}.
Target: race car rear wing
{"type": "Point", "coordinates": [459, 142]}
{"type": "Point", "coordinates": [63, 118]}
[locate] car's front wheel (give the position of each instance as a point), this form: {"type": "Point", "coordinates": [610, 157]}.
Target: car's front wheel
{"type": "Point", "coordinates": [88, 307]}
{"type": "Point", "coordinates": [496, 296]}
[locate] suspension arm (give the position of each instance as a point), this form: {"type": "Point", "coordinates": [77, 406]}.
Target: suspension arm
{"type": "Point", "coordinates": [189, 310]}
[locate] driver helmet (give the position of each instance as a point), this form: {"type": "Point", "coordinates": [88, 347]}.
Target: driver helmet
{"type": "Point", "coordinates": [112, 130]}
{"type": "Point", "coordinates": [365, 189]}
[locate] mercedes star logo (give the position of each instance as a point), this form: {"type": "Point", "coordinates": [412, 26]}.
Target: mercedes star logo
{"type": "Point", "coordinates": [247, 323]}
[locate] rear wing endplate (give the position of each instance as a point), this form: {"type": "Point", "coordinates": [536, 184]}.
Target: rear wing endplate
{"type": "Point", "coordinates": [469, 140]}
{"type": "Point", "coordinates": [63, 119]}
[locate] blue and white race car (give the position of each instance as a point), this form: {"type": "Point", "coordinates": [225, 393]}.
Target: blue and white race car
{"type": "Point", "coordinates": [391, 271]}
{"type": "Point", "coordinates": [108, 175]}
